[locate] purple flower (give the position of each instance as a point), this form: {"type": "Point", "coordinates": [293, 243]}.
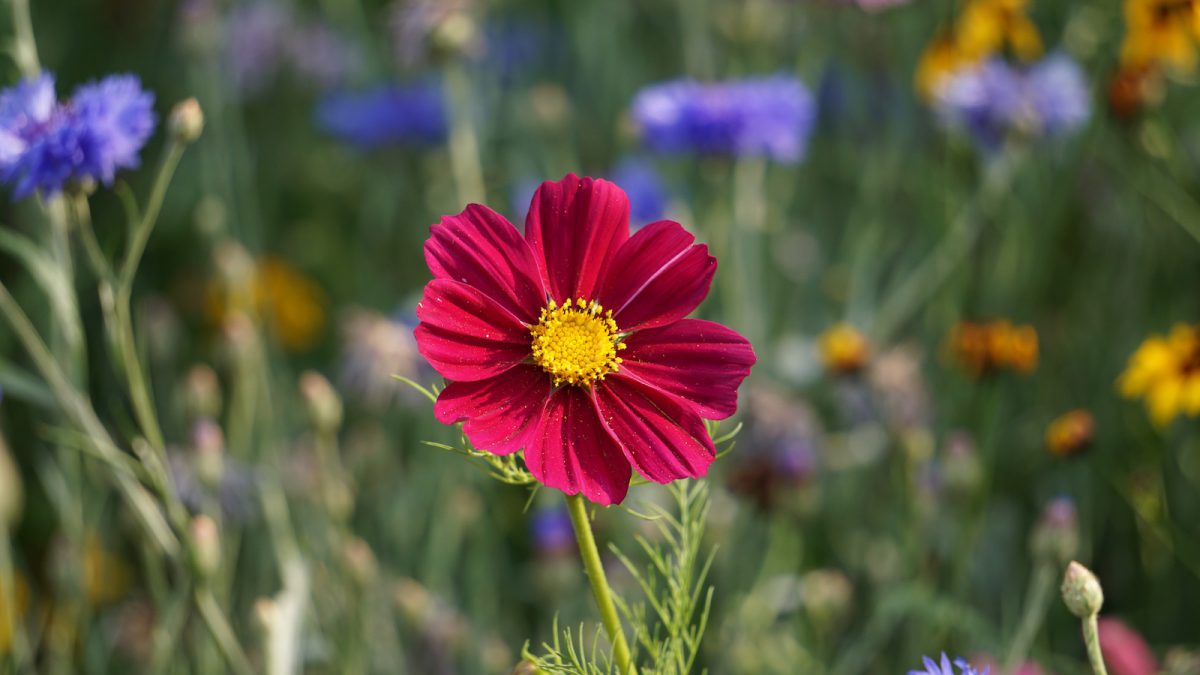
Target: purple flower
{"type": "Point", "coordinates": [118, 116]}
{"type": "Point", "coordinates": [647, 194]}
{"type": "Point", "coordinates": [552, 532]}
{"type": "Point", "coordinates": [44, 144]}
{"type": "Point", "coordinates": [766, 116]}
{"type": "Point", "coordinates": [385, 115]}
{"type": "Point", "coordinates": [994, 99]}
{"type": "Point", "coordinates": [266, 40]}
{"type": "Point", "coordinates": [934, 668]}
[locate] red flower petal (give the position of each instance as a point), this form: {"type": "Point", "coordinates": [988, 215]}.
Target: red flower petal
{"type": "Point", "coordinates": [571, 450]}
{"type": "Point", "coordinates": [500, 412]}
{"type": "Point", "coordinates": [480, 248]}
{"type": "Point", "coordinates": [663, 438]}
{"type": "Point", "coordinates": [575, 227]}
{"type": "Point", "coordinates": [658, 277]}
{"type": "Point", "coordinates": [464, 335]}
{"type": "Point", "coordinates": [701, 361]}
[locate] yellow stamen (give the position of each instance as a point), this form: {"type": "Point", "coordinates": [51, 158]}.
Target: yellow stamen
{"type": "Point", "coordinates": [577, 342]}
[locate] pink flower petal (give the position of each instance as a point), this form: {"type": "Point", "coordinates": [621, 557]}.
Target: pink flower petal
{"type": "Point", "coordinates": [464, 335]}
{"type": "Point", "coordinates": [701, 361]}
{"type": "Point", "coordinates": [1124, 649]}
{"type": "Point", "coordinates": [663, 438]}
{"type": "Point", "coordinates": [571, 450]}
{"type": "Point", "coordinates": [480, 248]}
{"type": "Point", "coordinates": [575, 227]}
{"type": "Point", "coordinates": [500, 412]}
{"type": "Point", "coordinates": [659, 276]}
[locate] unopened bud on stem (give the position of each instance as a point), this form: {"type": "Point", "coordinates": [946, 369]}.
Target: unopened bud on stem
{"type": "Point", "coordinates": [1081, 591]}
{"type": "Point", "coordinates": [186, 121]}
{"type": "Point", "coordinates": [206, 546]}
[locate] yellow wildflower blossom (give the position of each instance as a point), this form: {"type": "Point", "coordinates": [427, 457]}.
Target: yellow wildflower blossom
{"type": "Point", "coordinates": [986, 27]}
{"type": "Point", "coordinates": [1165, 372]}
{"type": "Point", "coordinates": [1161, 33]}
{"type": "Point", "coordinates": [843, 349]}
{"type": "Point", "coordinates": [291, 304]}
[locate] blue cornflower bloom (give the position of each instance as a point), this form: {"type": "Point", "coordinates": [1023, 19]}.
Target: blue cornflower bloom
{"type": "Point", "coordinates": [117, 117]}
{"type": "Point", "coordinates": [552, 531]}
{"type": "Point", "coordinates": [644, 186]}
{"type": "Point", "coordinates": [934, 668]}
{"type": "Point", "coordinates": [44, 144]}
{"type": "Point", "coordinates": [766, 116]}
{"type": "Point", "coordinates": [385, 115]}
{"type": "Point", "coordinates": [994, 99]}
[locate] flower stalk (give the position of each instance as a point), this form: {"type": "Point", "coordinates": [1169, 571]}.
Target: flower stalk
{"type": "Point", "coordinates": [577, 507]}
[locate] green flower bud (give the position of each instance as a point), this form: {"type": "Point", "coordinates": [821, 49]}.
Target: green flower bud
{"type": "Point", "coordinates": [1081, 591]}
{"type": "Point", "coordinates": [206, 546]}
{"type": "Point", "coordinates": [186, 121]}
{"type": "Point", "coordinates": [321, 402]}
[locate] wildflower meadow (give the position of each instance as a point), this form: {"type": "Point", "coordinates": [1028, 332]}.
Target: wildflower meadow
{"type": "Point", "coordinates": [440, 337]}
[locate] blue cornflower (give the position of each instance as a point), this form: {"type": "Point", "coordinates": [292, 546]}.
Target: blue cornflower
{"type": "Point", "coordinates": [117, 118]}
{"type": "Point", "coordinates": [994, 99]}
{"type": "Point", "coordinates": [552, 531]}
{"type": "Point", "coordinates": [44, 144]}
{"type": "Point", "coordinates": [766, 116]}
{"type": "Point", "coordinates": [385, 115]}
{"type": "Point", "coordinates": [934, 668]}
{"type": "Point", "coordinates": [644, 186]}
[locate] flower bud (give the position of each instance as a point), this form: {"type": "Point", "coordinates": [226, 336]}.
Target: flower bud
{"type": "Point", "coordinates": [1070, 433]}
{"type": "Point", "coordinates": [202, 393]}
{"type": "Point", "coordinates": [525, 668]}
{"type": "Point", "coordinates": [186, 121]}
{"type": "Point", "coordinates": [206, 546]}
{"type": "Point", "coordinates": [11, 493]}
{"type": "Point", "coordinates": [961, 469]}
{"type": "Point", "coordinates": [1081, 591]}
{"type": "Point", "coordinates": [1055, 538]}
{"type": "Point", "coordinates": [321, 402]}
{"type": "Point", "coordinates": [360, 562]}
{"type": "Point", "coordinates": [264, 614]}
{"type": "Point", "coordinates": [208, 451]}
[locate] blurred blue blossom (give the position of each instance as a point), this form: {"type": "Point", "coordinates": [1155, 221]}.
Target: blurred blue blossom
{"type": "Point", "coordinates": [644, 186]}
{"type": "Point", "coordinates": [765, 116]}
{"type": "Point", "coordinates": [552, 532]}
{"type": "Point", "coordinates": [44, 144]}
{"type": "Point", "coordinates": [994, 99]}
{"type": "Point", "coordinates": [934, 668]}
{"type": "Point", "coordinates": [385, 115]}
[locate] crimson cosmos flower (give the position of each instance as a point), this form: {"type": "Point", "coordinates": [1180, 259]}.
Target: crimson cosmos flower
{"type": "Point", "coordinates": [571, 343]}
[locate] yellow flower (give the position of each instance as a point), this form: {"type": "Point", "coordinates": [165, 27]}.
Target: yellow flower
{"type": "Point", "coordinates": [291, 304]}
{"type": "Point", "coordinates": [986, 27]}
{"type": "Point", "coordinates": [1070, 432]}
{"type": "Point", "coordinates": [940, 59]}
{"type": "Point", "coordinates": [1165, 371]}
{"type": "Point", "coordinates": [1161, 33]}
{"type": "Point", "coordinates": [981, 348]}
{"type": "Point", "coordinates": [20, 597]}
{"type": "Point", "coordinates": [843, 349]}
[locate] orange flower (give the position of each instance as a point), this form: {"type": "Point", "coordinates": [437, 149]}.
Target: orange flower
{"type": "Point", "coordinates": [291, 304]}
{"type": "Point", "coordinates": [981, 348]}
{"type": "Point", "coordinates": [1070, 433]}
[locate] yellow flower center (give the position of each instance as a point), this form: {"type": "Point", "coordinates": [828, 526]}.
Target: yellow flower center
{"type": "Point", "coordinates": [577, 342]}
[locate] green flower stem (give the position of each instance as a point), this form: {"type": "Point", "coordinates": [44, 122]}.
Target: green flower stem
{"type": "Point", "coordinates": [1041, 589]}
{"type": "Point", "coordinates": [25, 52]}
{"type": "Point", "coordinates": [227, 642]}
{"type": "Point", "coordinates": [142, 229]}
{"type": "Point", "coordinates": [1091, 637]}
{"type": "Point", "coordinates": [80, 412]}
{"type": "Point", "coordinates": [464, 141]}
{"type": "Point", "coordinates": [577, 506]}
